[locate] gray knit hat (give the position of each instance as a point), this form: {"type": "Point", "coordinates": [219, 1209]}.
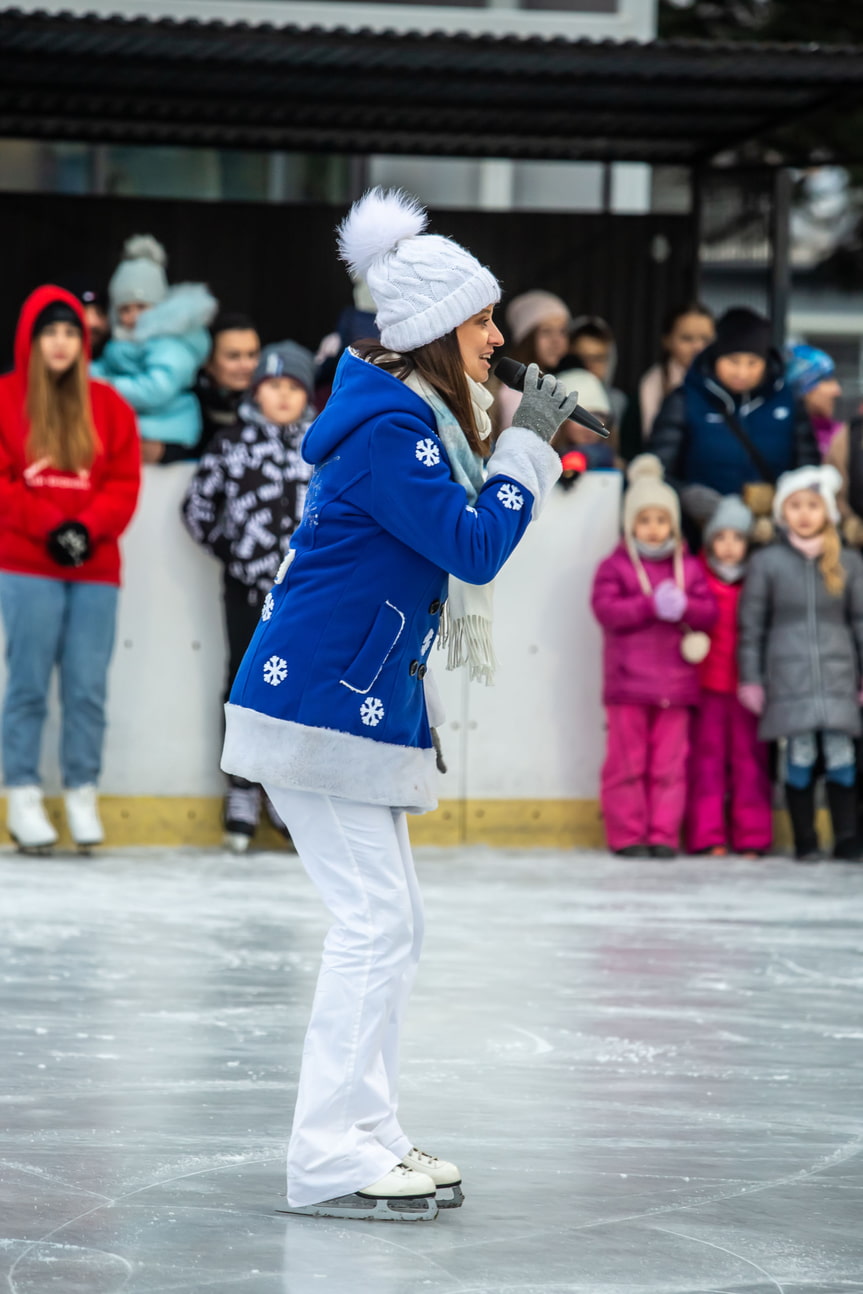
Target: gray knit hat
{"type": "Point", "coordinates": [140, 277]}
{"type": "Point", "coordinates": [731, 514]}
{"type": "Point", "coordinates": [286, 359]}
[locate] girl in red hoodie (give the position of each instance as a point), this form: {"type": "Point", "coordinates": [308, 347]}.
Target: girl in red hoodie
{"type": "Point", "coordinates": [69, 479]}
{"type": "Point", "coordinates": [729, 783]}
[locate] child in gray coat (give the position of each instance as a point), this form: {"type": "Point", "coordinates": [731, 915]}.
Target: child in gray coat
{"type": "Point", "coordinates": [801, 647]}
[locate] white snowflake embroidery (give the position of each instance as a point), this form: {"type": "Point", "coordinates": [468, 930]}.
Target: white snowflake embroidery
{"type": "Point", "coordinates": [371, 712]}
{"type": "Point", "coordinates": [267, 608]}
{"type": "Point", "coordinates": [510, 497]}
{"type": "Point", "coordinates": [275, 670]}
{"type": "Point", "coordinates": [428, 452]}
{"type": "Point", "coordinates": [427, 642]}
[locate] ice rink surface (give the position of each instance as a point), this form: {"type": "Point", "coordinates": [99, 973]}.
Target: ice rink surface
{"type": "Point", "coordinates": [650, 1074]}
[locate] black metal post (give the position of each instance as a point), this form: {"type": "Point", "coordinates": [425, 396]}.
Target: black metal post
{"type": "Point", "coordinates": [779, 289]}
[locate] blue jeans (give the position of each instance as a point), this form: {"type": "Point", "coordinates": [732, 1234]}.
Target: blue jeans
{"type": "Point", "coordinates": [840, 762]}
{"type": "Point", "coordinates": [71, 625]}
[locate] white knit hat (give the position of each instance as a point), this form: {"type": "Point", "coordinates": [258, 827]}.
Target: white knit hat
{"type": "Point", "coordinates": [825, 481]}
{"type": "Point", "coordinates": [648, 489]}
{"type": "Point", "coordinates": [530, 309]}
{"type": "Point", "coordinates": [592, 394]}
{"type": "Point", "coordinates": [423, 285]}
{"type": "Point", "coordinates": [140, 277]}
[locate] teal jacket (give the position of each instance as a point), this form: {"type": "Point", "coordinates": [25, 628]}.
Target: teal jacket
{"type": "Point", "coordinates": [155, 368]}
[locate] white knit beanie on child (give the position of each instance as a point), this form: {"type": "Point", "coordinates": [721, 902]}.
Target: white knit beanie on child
{"type": "Point", "coordinates": [648, 489]}
{"type": "Point", "coordinates": [824, 480]}
{"type": "Point", "coordinates": [423, 285]}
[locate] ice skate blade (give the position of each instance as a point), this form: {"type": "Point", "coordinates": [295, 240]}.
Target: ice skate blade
{"type": "Point", "coordinates": [450, 1197]}
{"type": "Point", "coordinates": [34, 851]}
{"type": "Point", "coordinates": [236, 842]}
{"type": "Point", "coordinates": [371, 1208]}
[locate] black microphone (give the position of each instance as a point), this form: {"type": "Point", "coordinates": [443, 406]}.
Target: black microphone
{"type": "Point", "coordinates": [511, 373]}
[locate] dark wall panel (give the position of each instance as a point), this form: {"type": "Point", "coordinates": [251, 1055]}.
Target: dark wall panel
{"type": "Point", "coordinates": [278, 263]}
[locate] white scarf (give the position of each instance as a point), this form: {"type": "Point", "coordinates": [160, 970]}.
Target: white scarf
{"type": "Point", "coordinates": [466, 622]}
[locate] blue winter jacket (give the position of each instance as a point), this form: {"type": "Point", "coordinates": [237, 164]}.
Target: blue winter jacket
{"type": "Point", "coordinates": [330, 694]}
{"type": "Point", "coordinates": [697, 447]}
{"type": "Point", "coordinates": [155, 370]}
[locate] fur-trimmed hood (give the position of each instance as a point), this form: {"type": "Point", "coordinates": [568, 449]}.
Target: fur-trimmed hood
{"type": "Point", "coordinates": [188, 306]}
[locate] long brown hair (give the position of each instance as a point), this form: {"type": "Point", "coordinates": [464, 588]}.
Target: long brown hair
{"type": "Point", "coordinates": [60, 414]}
{"type": "Point", "coordinates": [440, 363]}
{"type": "Point", "coordinates": [830, 562]}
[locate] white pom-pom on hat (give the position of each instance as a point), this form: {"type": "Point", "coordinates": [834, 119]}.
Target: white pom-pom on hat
{"type": "Point", "coordinates": [144, 247]}
{"type": "Point", "coordinates": [423, 286]}
{"type": "Point", "coordinates": [376, 224]}
{"type": "Point", "coordinates": [645, 465]}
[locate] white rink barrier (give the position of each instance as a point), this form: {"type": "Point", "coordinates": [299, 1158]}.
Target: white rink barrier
{"type": "Point", "coordinates": [535, 738]}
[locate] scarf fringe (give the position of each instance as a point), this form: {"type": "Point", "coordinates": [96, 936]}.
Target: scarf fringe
{"type": "Point", "coordinates": [468, 641]}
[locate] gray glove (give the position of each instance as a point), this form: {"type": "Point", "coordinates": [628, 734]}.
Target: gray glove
{"type": "Point", "coordinates": [545, 404]}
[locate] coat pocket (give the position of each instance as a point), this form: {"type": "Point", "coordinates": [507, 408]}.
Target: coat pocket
{"type": "Point", "coordinates": [363, 671]}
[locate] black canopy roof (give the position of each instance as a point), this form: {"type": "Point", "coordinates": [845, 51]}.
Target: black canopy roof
{"type": "Point", "coordinates": [239, 86]}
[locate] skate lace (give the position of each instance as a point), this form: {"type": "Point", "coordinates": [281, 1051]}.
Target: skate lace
{"type": "Point", "coordinates": [242, 805]}
{"type": "Point", "coordinates": [423, 1157]}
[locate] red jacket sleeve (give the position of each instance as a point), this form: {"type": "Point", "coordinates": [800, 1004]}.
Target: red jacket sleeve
{"type": "Point", "coordinates": [617, 607]}
{"type": "Point", "coordinates": [113, 504]}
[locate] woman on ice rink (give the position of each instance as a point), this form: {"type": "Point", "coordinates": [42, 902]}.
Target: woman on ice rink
{"type": "Point", "coordinates": [329, 709]}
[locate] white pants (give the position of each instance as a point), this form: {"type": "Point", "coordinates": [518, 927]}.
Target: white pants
{"type": "Point", "coordinates": [346, 1134]}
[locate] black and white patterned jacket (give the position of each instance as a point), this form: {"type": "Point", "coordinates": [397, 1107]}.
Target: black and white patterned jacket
{"type": "Point", "coordinates": [247, 496]}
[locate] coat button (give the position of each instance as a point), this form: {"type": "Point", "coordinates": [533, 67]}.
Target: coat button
{"type": "Point", "coordinates": [422, 671]}
{"type": "Point", "coordinates": [413, 668]}
{"type": "Point", "coordinates": [435, 607]}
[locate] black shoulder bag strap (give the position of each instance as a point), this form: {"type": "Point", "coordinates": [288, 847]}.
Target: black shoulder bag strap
{"type": "Point", "coordinates": [755, 454]}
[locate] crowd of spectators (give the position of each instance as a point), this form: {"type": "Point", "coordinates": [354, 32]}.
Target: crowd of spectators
{"type": "Point", "coordinates": [713, 536]}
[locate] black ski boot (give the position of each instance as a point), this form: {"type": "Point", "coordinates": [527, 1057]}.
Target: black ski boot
{"type": "Point", "coordinates": [843, 814]}
{"type": "Point", "coordinates": [801, 810]}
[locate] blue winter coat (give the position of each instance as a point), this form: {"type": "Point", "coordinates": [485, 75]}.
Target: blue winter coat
{"type": "Point", "coordinates": [156, 369]}
{"type": "Point", "coordinates": [697, 447]}
{"type": "Point", "coordinates": [330, 694]}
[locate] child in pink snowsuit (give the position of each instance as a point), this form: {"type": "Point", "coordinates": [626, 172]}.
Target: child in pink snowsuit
{"type": "Point", "coordinates": [648, 596]}
{"type": "Point", "coordinates": [729, 782]}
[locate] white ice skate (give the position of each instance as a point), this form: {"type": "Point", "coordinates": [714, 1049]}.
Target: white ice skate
{"type": "Point", "coordinates": [82, 815]}
{"type": "Point", "coordinates": [402, 1196]}
{"type": "Point", "coordinates": [446, 1177]}
{"type": "Point", "coordinates": [27, 822]}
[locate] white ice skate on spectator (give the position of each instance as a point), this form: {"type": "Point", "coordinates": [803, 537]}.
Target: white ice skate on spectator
{"type": "Point", "coordinates": [27, 822]}
{"type": "Point", "coordinates": [446, 1177]}
{"type": "Point", "coordinates": [403, 1195]}
{"type": "Point", "coordinates": [82, 815]}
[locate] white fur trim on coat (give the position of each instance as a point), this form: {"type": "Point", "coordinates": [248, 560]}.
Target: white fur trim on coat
{"type": "Point", "coordinates": [279, 752]}
{"type": "Point", "coordinates": [528, 459]}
